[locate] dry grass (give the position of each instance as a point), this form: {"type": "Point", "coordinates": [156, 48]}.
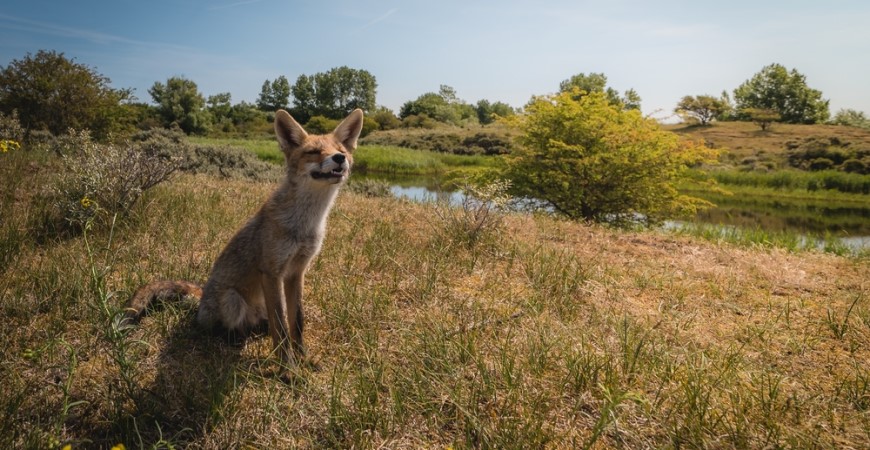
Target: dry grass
{"type": "Point", "coordinates": [742, 139]}
{"type": "Point", "coordinates": [544, 334]}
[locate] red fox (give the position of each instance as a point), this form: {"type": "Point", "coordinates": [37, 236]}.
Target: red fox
{"type": "Point", "coordinates": [257, 279]}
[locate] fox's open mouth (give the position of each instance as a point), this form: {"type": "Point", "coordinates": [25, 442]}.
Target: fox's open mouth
{"type": "Point", "coordinates": [334, 173]}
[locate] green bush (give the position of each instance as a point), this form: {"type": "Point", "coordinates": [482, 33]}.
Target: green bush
{"type": "Point", "coordinates": [820, 164]}
{"type": "Point", "coordinates": [825, 153]}
{"type": "Point", "coordinates": [488, 143]}
{"type": "Point", "coordinates": [854, 165]}
{"type": "Point", "coordinates": [585, 158]}
{"type": "Point", "coordinates": [489, 140]}
{"type": "Point", "coordinates": [419, 121]}
{"type": "Point", "coordinates": [320, 125]}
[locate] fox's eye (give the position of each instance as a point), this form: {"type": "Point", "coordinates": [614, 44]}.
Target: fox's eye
{"type": "Point", "coordinates": [312, 152]}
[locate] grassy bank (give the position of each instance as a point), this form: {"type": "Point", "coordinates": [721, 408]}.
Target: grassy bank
{"type": "Point", "coordinates": [376, 158]}
{"type": "Point", "coordinates": [265, 148]}
{"type": "Point", "coordinates": [539, 332]}
{"type": "Point", "coordinates": [796, 180]}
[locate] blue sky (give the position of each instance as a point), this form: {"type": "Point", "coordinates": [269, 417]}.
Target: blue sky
{"type": "Point", "coordinates": [497, 50]}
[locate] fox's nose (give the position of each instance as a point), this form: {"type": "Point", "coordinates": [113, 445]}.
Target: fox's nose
{"type": "Point", "coordinates": [339, 158]}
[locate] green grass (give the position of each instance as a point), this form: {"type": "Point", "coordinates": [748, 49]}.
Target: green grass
{"type": "Point", "coordinates": [265, 148]}
{"type": "Point", "coordinates": [375, 158]}
{"type": "Point", "coordinates": [404, 161]}
{"type": "Point", "coordinates": [545, 333]}
{"type": "Point", "coordinates": [766, 238]}
{"type": "Point", "coordinates": [796, 180]}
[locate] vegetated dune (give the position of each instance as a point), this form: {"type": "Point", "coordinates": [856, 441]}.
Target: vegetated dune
{"type": "Point", "coordinates": [434, 329]}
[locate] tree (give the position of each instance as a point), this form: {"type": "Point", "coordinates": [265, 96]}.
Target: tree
{"type": "Point", "coordinates": [597, 82]}
{"type": "Point", "coordinates": [180, 102]}
{"type": "Point", "coordinates": [852, 118]}
{"type": "Point", "coordinates": [763, 117]}
{"type": "Point", "coordinates": [51, 92]}
{"type": "Point", "coordinates": [274, 95]}
{"type": "Point", "coordinates": [443, 106]}
{"type": "Point", "coordinates": [703, 108]}
{"type": "Point", "coordinates": [487, 112]}
{"type": "Point", "coordinates": [385, 118]}
{"type": "Point", "coordinates": [784, 92]}
{"type": "Point", "coordinates": [219, 105]}
{"type": "Point", "coordinates": [586, 158]}
{"type": "Point", "coordinates": [334, 94]}
{"type": "Point", "coordinates": [304, 98]}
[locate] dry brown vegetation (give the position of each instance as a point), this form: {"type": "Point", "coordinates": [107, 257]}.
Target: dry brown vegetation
{"type": "Point", "coordinates": [541, 333]}
{"type": "Point", "coordinates": [742, 139]}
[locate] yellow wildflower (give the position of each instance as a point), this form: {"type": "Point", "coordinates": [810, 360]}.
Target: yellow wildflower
{"type": "Point", "coordinates": [86, 202]}
{"type": "Point", "coordinates": [119, 447]}
{"type": "Point", "coordinates": [6, 145]}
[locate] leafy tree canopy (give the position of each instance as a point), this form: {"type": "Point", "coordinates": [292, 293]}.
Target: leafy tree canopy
{"type": "Point", "coordinates": [274, 95]}
{"type": "Point", "coordinates": [852, 118]}
{"type": "Point", "coordinates": [488, 112]}
{"type": "Point", "coordinates": [597, 82]}
{"type": "Point", "coordinates": [333, 94]}
{"type": "Point", "coordinates": [701, 109]}
{"type": "Point", "coordinates": [179, 102]}
{"type": "Point", "coordinates": [443, 106]}
{"type": "Point", "coordinates": [587, 158]}
{"type": "Point", "coordinates": [51, 92]}
{"type": "Point", "coordinates": [784, 92]}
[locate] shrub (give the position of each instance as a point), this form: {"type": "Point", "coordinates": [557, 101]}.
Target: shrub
{"type": "Point", "coordinates": [490, 140]}
{"type": "Point", "coordinates": [10, 127]}
{"type": "Point", "coordinates": [320, 125]}
{"type": "Point", "coordinates": [101, 181]}
{"type": "Point", "coordinates": [588, 159]}
{"type": "Point", "coordinates": [419, 121]}
{"type": "Point", "coordinates": [478, 217]}
{"type": "Point", "coordinates": [813, 153]}
{"type": "Point", "coordinates": [385, 118]}
{"type": "Point", "coordinates": [488, 143]}
{"type": "Point", "coordinates": [222, 161]}
{"type": "Point", "coordinates": [820, 164]}
{"type": "Point", "coordinates": [369, 125]}
{"type": "Point", "coordinates": [855, 165]}
{"type": "Point", "coordinates": [370, 188]}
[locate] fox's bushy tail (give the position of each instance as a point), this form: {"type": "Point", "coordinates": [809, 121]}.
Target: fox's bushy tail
{"type": "Point", "coordinates": [158, 290]}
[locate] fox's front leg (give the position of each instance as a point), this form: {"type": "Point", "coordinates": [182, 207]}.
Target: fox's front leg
{"type": "Point", "coordinates": [279, 326]}
{"type": "Point", "coordinates": [293, 286]}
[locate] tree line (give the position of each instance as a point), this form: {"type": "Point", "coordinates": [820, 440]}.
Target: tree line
{"type": "Point", "coordinates": [51, 92]}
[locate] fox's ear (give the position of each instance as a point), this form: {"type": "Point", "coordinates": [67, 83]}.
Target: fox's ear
{"type": "Point", "coordinates": [290, 133]}
{"type": "Point", "coordinates": [347, 132]}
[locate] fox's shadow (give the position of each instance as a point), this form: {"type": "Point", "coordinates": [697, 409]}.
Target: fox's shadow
{"type": "Point", "coordinates": [195, 378]}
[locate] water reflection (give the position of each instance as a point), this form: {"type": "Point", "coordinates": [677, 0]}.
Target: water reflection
{"type": "Point", "coordinates": [848, 222]}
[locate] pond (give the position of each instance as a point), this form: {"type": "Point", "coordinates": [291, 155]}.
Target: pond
{"type": "Point", "coordinates": [848, 222]}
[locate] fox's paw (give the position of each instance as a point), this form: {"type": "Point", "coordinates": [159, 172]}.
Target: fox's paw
{"type": "Point", "coordinates": [311, 362]}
